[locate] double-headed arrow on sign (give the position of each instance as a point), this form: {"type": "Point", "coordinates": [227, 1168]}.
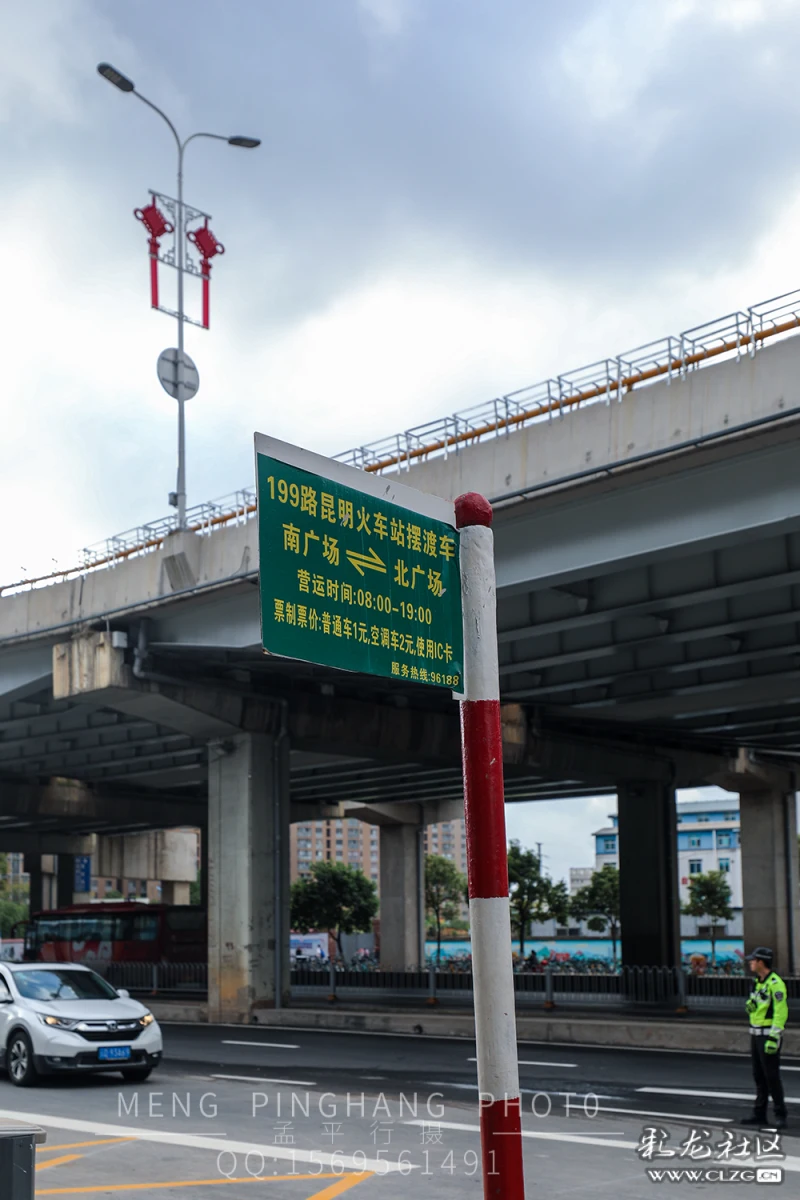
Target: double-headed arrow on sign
{"type": "Point", "coordinates": [371, 561]}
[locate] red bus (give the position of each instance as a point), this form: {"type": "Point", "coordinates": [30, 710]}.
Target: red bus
{"type": "Point", "coordinates": [118, 932]}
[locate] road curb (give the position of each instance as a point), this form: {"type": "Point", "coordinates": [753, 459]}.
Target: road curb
{"type": "Point", "coordinates": [559, 1028]}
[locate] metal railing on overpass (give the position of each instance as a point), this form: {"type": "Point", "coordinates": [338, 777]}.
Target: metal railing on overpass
{"type": "Point", "coordinates": [669, 358]}
{"type": "Point", "coordinates": [647, 988]}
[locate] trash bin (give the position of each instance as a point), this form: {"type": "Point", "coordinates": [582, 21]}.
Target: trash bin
{"type": "Point", "coordinates": [18, 1143]}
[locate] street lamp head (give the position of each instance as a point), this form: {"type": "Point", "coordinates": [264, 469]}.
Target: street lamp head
{"type": "Point", "coordinates": [247, 143]}
{"type": "Point", "coordinates": [116, 77]}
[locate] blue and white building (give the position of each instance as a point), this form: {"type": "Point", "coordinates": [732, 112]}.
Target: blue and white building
{"type": "Point", "coordinates": [708, 840]}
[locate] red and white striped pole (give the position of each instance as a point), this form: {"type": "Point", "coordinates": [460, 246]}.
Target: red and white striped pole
{"type": "Point", "coordinates": [487, 861]}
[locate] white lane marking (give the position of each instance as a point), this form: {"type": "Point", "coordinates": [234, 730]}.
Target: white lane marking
{"type": "Point", "coordinates": [473, 1087]}
{"type": "Point", "coordinates": [465, 1039]}
{"type": "Point", "coordinates": [747, 1097]}
{"type": "Point", "coordinates": [273, 1045]}
{"type": "Point", "coordinates": [575, 1138]}
{"type": "Point", "coordinates": [523, 1062]}
{"type": "Point", "coordinates": [636, 1049]}
{"type": "Point", "coordinates": [264, 1079]}
{"type": "Point", "coordinates": [679, 1118]}
{"type": "Point", "coordinates": [192, 1141]}
{"type": "Point", "coordinates": [788, 1163]}
{"type": "Point", "coordinates": [533, 1063]}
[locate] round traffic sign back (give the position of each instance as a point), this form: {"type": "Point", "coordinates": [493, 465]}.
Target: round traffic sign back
{"type": "Point", "coordinates": [167, 368]}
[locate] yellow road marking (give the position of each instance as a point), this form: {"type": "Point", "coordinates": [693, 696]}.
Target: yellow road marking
{"type": "Point", "coordinates": [45, 1149]}
{"type": "Point", "coordinates": [344, 1185]}
{"type": "Point", "coordinates": [188, 1183]}
{"type": "Point", "coordinates": [57, 1162]}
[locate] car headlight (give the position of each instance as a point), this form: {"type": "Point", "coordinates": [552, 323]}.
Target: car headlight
{"type": "Point", "coordinates": [57, 1022]}
{"type": "Point", "coordinates": [147, 1019]}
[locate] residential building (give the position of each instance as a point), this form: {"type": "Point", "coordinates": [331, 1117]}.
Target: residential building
{"type": "Point", "coordinates": [708, 840]}
{"type": "Point", "coordinates": [579, 877]}
{"type": "Point", "coordinates": [357, 843]}
{"type": "Point", "coordinates": [449, 839]}
{"type": "Point", "coordinates": [341, 840]}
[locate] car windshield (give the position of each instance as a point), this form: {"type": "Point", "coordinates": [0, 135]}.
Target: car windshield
{"type": "Point", "coordinates": [54, 984]}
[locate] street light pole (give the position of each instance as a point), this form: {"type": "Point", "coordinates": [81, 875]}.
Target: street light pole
{"type": "Point", "coordinates": [179, 233]}
{"type": "Point", "coordinates": [247, 143]}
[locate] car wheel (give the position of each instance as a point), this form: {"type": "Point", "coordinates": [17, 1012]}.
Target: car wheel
{"type": "Point", "coordinates": [136, 1074]}
{"type": "Point", "coordinates": [19, 1059]}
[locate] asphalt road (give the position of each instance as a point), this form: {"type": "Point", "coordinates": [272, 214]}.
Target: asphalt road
{"type": "Point", "coordinates": [640, 1081]}
{"type": "Point", "coordinates": [236, 1112]}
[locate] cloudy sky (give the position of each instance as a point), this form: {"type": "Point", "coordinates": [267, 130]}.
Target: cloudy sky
{"type": "Point", "coordinates": [453, 198]}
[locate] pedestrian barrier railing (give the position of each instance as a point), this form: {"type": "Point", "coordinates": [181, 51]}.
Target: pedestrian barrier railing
{"type": "Point", "coordinates": [548, 986]}
{"type": "Point", "coordinates": [675, 357]}
{"type": "Point", "coordinates": [647, 987]}
{"type": "Point", "coordinates": [157, 979]}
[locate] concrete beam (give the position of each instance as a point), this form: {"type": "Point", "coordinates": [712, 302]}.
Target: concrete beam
{"type": "Point", "coordinates": [335, 725]}
{"type": "Point", "coordinates": [745, 773]}
{"type": "Point", "coordinates": [15, 842]}
{"type": "Point", "coordinates": [73, 803]}
{"type": "Point", "coordinates": [599, 758]}
{"type": "Point", "coordinates": [90, 667]}
{"type": "Point", "coordinates": [386, 814]}
{"type": "Point", "coordinates": [316, 812]}
{"type": "Point", "coordinates": [442, 810]}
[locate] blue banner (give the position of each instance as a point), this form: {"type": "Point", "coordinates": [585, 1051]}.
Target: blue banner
{"type": "Point", "coordinates": [83, 873]}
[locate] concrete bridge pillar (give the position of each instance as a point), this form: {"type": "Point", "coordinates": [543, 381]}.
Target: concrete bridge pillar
{"type": "Point", "coordinates": [770, 874]}
{"type": "Point", "coordinates": [248, 876]}
{"type": "Point", "coordinates": [33, 869]}
{"type": "Point", "coordinates": [402, 897]}
{"type": "Point", "coordinates": [65, 880]}
{"type": "Point", "coordinates": [648, 875]}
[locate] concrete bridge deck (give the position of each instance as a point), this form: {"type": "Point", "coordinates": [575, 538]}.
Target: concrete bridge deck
{"type": "Point", "coordinates": [648, 564]}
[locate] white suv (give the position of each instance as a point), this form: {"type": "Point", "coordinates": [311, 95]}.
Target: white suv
{"type": "Point", "coordinates": [62, 1017]}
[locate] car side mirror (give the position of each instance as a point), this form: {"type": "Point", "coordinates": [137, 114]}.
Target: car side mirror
{"type": "Point", "coordinates": [5, 997]}
{"type": "Point", "coordinates": [123, 993]}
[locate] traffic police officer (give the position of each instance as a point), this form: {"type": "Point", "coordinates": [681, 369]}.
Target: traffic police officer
{"type": "Point", "coordinates": [768, 1012]}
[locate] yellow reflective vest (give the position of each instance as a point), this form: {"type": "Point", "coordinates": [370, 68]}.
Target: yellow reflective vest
{"type": "Point", "coordinates": [767, 1004]}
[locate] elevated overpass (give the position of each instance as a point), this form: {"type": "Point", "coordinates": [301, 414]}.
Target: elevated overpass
{"type": "Point", "coordinates": [648, 561]}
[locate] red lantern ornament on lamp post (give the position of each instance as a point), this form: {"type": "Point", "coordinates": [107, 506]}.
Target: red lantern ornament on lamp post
{"type": "Point", "coordinates": [207, 246]}
{"type": "Point", "coordinates": [156, 225]}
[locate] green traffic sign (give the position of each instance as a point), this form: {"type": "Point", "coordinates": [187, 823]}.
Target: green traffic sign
{"type": "Point", "coordinates": [356, 571]}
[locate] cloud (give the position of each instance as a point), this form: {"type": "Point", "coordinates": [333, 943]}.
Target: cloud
{"type": "Point", "coordinates": [448, 204]}
{"type": "Point", "coordinates": [390, 16]}
{"type": "Point", "coordinates": [564, 827]}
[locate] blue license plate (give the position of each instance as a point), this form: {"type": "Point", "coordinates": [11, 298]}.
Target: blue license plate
{"type": "Point", "coordinates": [113, 1053]}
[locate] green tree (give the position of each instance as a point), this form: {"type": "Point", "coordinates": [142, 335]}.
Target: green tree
{"type": "Point", "coordinates": [533, 896]}
{"type": "Point", "coordinates": [444, 892]}
{"type": "Point", "coordinates": [598, 904]}
{"type": "Point", "coordinates": [335, 897]}
{"type": "Point", "coordinates": [710, 896]}
{"type": "Point", "coordinates": [196, 889]}
{"type": "Point", "coordinates": [11, 911]}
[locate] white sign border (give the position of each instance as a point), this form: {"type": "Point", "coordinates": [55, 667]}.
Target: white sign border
{"type": "Point", "coordinates": [382, 487]}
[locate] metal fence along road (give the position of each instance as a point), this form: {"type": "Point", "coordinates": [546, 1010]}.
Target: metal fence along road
{"type": "Point", "coordinates": [638, 987]}
{"type": "Point", "coordinates": [669, 358]}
